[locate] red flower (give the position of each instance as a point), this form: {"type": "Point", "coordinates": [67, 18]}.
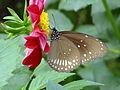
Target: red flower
{"type": "Point", "coordinates": [37, 41]}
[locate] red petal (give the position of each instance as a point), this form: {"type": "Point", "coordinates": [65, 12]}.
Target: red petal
{"type": "Point", "coordinates": [33, 11]}
{"type": "Point", "coordinates": [33, 57]}
{"type": "Point", "coordinates": [41, 35]}
{"type": "Point", "coordinates": [47, 48]}
{"type": "Point", "coordinates": [32, 42]}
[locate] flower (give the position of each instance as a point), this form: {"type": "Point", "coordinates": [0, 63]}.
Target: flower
{"type": "Point", "coordinates": [37, 40]}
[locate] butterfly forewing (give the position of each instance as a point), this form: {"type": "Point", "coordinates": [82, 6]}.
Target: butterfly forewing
{"type": "Point", "coordinates": [89, 47]}
{"type": "Point", "coordinates": [64, 55]}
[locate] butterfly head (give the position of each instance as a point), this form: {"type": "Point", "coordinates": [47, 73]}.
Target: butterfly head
{"type": "Point", "coordinates": [55, 35]}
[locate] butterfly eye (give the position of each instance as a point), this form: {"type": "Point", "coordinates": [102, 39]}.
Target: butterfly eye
{"type": "Point", "coordinates": [70, 49]}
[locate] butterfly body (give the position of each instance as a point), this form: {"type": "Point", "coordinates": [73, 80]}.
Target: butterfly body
{"type": "Point", "coordinates": [55, 35]}
{"type": "Point", "coordinates": [69, 49]}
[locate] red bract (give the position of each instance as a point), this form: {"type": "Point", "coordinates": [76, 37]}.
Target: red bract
{"type": "Point", "coordinates": [37, 40]}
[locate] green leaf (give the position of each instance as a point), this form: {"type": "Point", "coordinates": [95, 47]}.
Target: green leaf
{"type": "Point", "coordinates": [49, 2]}
{"type": "Point", "coordinates": [3, 36]}
{"type": "Point", "coordinates": [43, 67]}
{"type": "Point", "coordinates": [57, 18]}
{"type": "Point", "coordinates": [98, 7]}
{"type": "Point", "coordinates": [10, 18]}
{"type": "Point", "coordinates": [14, 30]}
{"type": "Point", "coordinates": [75, 4]}
{"type": "Point", "coordinates": [13, 13]}
{"type": "Point", "coordinates": [13, 24]}
{"type": "Point", "coordinates": [103, 25]}
{"type": "Point", "coordinates": [80, 84]}
{"type": "Point", "coordinates": [2, 29]}
{"type": "Point", "coordinates": [54, 86]}
{"type": "Point", "coordinates": [88, 29]}
{"type": "Point", "coordinates": [100, 19]}
{"type": "Point", "coordinates": [41, 81]}
{"type": "Point", "coordinates": [9, 52]}
{"type": "Point", "coordinates": [21, 75]}
{"type": "Point", "coordinates": [98, 72]}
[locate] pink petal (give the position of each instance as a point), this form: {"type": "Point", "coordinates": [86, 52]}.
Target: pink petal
{"type": "Point", "coordinates": [36, 2]}
{"type": "Point", "coordinates": [41, 6]}
{"type": "Point", "coordinates": [35, 32]}
{"type": "Point", "coordinates": [32, 42]}
{"type": "Point", "coordinates": [33, 57]}
{"type": "Point", "coordinates": [42, 40]}
{"type": "Point", "coordinates": [33, 2]}
{"type": "Point", "coordinates": [44, 2]}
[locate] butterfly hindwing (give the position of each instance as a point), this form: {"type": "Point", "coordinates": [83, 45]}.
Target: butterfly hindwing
{"type": "Point", "coordinates": [64, 55]}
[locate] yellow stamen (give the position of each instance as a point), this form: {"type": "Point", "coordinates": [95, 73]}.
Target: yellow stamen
{"type": "Point", "coordinates": [44, 23]}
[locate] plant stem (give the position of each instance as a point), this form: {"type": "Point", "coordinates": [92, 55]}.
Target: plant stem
{"type": "Point", "coordinates": [112, 20]}
{"type": "Point", "coordinates": [114, 51]}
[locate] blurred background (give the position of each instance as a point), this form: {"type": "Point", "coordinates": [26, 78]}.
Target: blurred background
{"type": "Point", "coordinates": [85, 16]}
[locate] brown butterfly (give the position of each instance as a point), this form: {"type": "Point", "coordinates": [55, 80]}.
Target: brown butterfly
{"type": "Point", "coordinates": [69, 49]}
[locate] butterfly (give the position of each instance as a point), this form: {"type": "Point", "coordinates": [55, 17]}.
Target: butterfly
{"type": "Point", "coordinates": [69, 49]}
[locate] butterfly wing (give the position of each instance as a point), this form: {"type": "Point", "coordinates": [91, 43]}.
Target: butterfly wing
{"type": "Point", "coordinates": [73, 49]}
{"type": "Point", "coordinates": [89, 47]}
{"type": "Point", "coordinates": [63, 55]}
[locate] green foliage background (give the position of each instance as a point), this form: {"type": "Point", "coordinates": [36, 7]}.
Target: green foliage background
{"type": "Point", "coordinates": [92, 17]}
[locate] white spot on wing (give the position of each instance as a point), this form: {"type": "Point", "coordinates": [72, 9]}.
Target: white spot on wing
{"type": "Point", "coordinates": [52, 60]}
{"type": "Point", "coordinates": [68, 66]}
{"type": "Point", "coordinates": [101, 48]}
{"type": "Point", "coordinates": [81, 40]}
{"type": "Point", "coordinates": [97, 40]}
{"type": "Point", "coordinates": [58, 68]}
{"type": "Point", "coordinates": [84, 45]}
{"type": "Point", "coordinates": [78, 46]}
{"type": "Point", "coordinates": [84, 55]}
{"type": "Point", "coordinates": [86, 35]}
{"type": "Point", "coordinates": [55, 61]}
{"type": "Point", "coordinates": [65, 62]}
{"type": "Point", "coordinates": [69, 63]}
{"type": "Point", "coordinates": [69, 49]}
{"type": "Point", "coordinates": [71, 66]}
{"type": "Point", "coordinates": [58, 61]}
{"type": "Point", "coordinates": [64, 53]}
{"type": "Point", "coordinates": [73, 60]}
{"type": "Point", "coordinates": [90, 53]}
{"type": "Point", "coordinates": [55, 66]}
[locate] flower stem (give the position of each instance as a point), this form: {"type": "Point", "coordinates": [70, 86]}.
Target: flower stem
{"type": "Point", "coordinates": [112, 20]}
